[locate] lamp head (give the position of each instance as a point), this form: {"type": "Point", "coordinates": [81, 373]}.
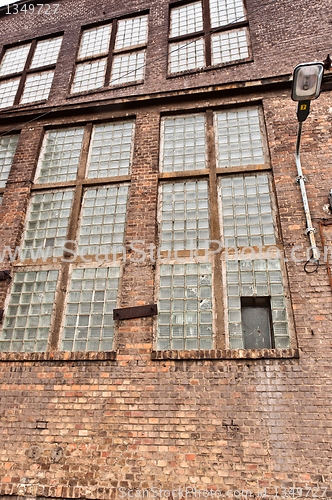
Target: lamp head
{"type": "Point", "coordinates": [307, 81]}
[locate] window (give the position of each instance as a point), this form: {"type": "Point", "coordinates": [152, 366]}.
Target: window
{"type": "Point", "coordinates": [112, 54]}
{"type": "Point", "coordinates": [26, 71]}
{"type": "Point", "coordinates": [226, 259]}
{"type": "Point", "coordinates": [8, 146]}
{"type": "Point", "coordinates": [70, 262]}
{"type": "Point", "coordinates": [207, 33]}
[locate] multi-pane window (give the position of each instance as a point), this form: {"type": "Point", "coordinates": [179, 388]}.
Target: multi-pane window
{"type": "Point", "coordinates": [8, 146]}
{"type": "Point", "coordinates": [185, 307]}
{"type": "Point", "coordinates": [207, 33]}
{"type": "Point", "coordinates": [219, 205]}
{"type": "Point", "coordinates": [112, 54]}
{"type": "Point", "coordinates": [103, 220]}
{"type": "Point", "coordinates": [29, 313]}
{"type": "Point", "coordinates": [27, 71]}
{"type": "Point", "coordinates": [185, 295]}
{"type": "Point", "coordinates": [91, 299]}
{"type": "Point", "coordinates": [75, 224]}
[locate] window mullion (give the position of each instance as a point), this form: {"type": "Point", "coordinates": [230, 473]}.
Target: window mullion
{"type": "Point", "coordinates": [215, 233]}
{"type": "Point", "coordinates": [207, 28]}
{"type": "Point", "coordinates": [73, 221]}
{"type": "Point", "coordinates": [110, 53]}
{"type": "Point", "coordinates": [24, 73]}
{"type": "Point", "coordinates": [55, 328]}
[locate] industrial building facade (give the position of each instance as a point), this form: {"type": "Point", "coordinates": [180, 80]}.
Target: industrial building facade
{"type": "Point", "coordinates": [164, 332]}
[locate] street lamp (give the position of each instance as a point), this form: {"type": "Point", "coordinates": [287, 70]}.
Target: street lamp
{"type": "Point", "coordinates": [307, 81]}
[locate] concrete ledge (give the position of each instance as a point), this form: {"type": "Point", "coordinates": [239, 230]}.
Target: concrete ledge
{"type": "Point", "coordinates": [58, 356]}
{"type": "Point", "coordinates": [227, 354]}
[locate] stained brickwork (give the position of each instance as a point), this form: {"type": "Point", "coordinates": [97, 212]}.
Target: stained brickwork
{"type": "Point", "coordinates": [231, 422]}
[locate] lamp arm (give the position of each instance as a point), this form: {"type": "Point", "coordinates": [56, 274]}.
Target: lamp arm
{"type": "Point", "coordinates": [310, 229]}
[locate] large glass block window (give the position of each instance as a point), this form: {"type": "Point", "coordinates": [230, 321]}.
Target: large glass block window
{"type": "Point", "coordinates": [257, 315]}
{"type": "Point", "coordinates": [256, 279]}
{"type": "Point", "coordinates": [47, 223]}
{"type": "Point", "coordinates": [29, 313]}
{"type": "Point", "coordinates": [25, 64]}
{"type": "Point", "coordinates": [184, 223]}
{"type": "Point", "coordinates": [111, 149]}
{"type": "Point", "coordinates": [184, 143]}
{"type": "Point", "coordinates": [239, 138]}
{"type": "Point", "coordinates": [202, 35]}
{"type": "Point", "coordinates": [247, 213]}
{"type": "Point", "coordinates": [60, 155]}
{"type": "Point", "coordinates": [89, 324]}
{"type": "Point", "coordinates": [76, 224]}
{"type": "Point", "coordinates": [104, 60]}
{"type": "Point", "coordinates": [8, 146]}
{"type": "Point", "coordinates": [185, 307]}
{"type": "Point", "coordinates": [103, 220]}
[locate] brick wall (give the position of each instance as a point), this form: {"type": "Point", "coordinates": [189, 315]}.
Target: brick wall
{"type": "Point", "coordinates": [75, 425]}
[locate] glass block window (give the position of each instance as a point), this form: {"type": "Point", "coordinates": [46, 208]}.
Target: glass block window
{"type": "Point", "coordinates": [239, 138]}
{"type": "Point", "coordinates": [261, 278]}
{"type": "Point", "coordinates": [220, 43]}
{"type": "Point", "coordinates": [14, 60]}
{"type": "Point", "coordinates": [47, 224]}
{"type": "Point", "coordinates": [8, 146]}
{"type": "Point", "coordinates": [229, 46]}
{"type": "Point", "coordinates": [89, 322]}
{"type": "Point", "coordinates": [128, 68]}
{"type": "Point", "coordinates": [103, 220]}
{"type": "Point", "coordinates": [184, 216]}
{"type": "Point", "coordinates": [28, 61]}
{"type": "Point", "coordinates": [103, 61]}
{"type": "Point", "coordinates": [186, 55]}
{"type": "Point", "coordinates": [95, 41]}
{"type": "Point", "coordinates": [47, 52]}
{"type": "Point", "coordinates": [247, 211]}
{"type": "Point", "coordinates": [185, 307]}
{"type": "Point", "coordinates": [28, 316]}
{"type": "Point", "coordinates": [224, 12]}
{"type": "Point", "coordinates": [186, 19]}
{"type": "Point", "coordinates": [132, 32]}
{"type": "Point", "coordinates": [8, 91]}
{"type": "Point", "coordinates": [60, 155]}
{"type": "Point", "coordinates": [37, 87]}
{"type": "Point", "coordinates": [184, 145]}
{"type": "Point", "coordinates": [111, 149]}
{"type": "Point", "coordinates": [90, 75]}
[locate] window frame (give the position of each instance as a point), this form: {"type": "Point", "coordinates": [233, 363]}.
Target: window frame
{"type": "Point", "coordinates": [206, 34]}
{"type": "Point", "coordinates": [213, 173]}
{"type": "Point", "coordinates": [109, 55]}
{"type": "Point", "coordinates": [64, 263]}
{"type": "Point", "coordinates": [27, 70]}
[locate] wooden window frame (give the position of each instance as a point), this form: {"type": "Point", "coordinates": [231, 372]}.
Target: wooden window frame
{"type": "Point", "coordinates": [206, 34]}
{"type": "Point", "coordinates": [64, 264]}
{"type": "Point", "coordinates": [27, 70]}
{"type": "Point", "coordinates": [212, 174]}
{"type": "Point", "coordinates": [109, 56]}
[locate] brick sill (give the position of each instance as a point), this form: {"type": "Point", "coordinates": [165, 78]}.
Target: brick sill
{"type": "Point", "coordinates": [226, 354]}
{"type": "Point", "coordinates": [58, 356]}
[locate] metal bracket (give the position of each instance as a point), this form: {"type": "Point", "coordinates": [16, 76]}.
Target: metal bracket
{"type": "Point", "coordinates": [4, 275]}
{"type": "Point", "coordinates": [299, 177]}
{"type": "Point", "coordinates": [135, 312]}
{"type": "Point", "coordinates": [310, 230]}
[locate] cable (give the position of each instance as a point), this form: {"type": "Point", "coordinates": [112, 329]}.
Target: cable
{"type": "Point", "coordinates": [136, 69]}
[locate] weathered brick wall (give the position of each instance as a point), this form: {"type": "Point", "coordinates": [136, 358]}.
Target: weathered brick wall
{"type": "Point", "coordinates": [76, 428]}
{"type": "Point", "coordinates": [282, 35]}
{"type": "Point", "coordinates": [84, 428]}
